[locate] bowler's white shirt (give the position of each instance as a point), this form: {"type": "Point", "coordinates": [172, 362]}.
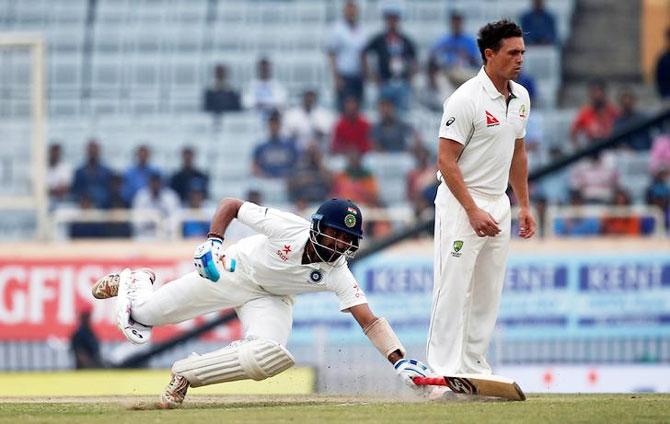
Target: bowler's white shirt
{"type": "Point", "coordinates": [272, 260]}
{"type": "Point", "coordinates": [477, 116]}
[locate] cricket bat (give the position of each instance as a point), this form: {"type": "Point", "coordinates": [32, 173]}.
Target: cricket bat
{"type": "Point", "coordinates": [476, 384]}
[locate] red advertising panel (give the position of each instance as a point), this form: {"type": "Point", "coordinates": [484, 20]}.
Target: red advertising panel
{"type": "Point", "coordinates": [41, 299]}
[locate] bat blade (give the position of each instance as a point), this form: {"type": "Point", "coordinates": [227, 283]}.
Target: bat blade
{"type": "Point", "coordinates": [475, 384]}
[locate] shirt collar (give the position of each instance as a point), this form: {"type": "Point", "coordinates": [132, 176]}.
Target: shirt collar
{"type": "Point", "coordinates": [490, 88]}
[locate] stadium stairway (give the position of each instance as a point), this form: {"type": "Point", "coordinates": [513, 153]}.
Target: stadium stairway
{"type": "Point", "coordinates": [601, 46]}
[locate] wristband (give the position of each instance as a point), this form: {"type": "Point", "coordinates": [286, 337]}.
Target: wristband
{"type": "Point", "coordinates": [213, 235]}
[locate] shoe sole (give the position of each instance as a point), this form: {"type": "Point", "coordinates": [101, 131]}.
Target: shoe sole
{"type": "Point", "coordinates": [106, 287]}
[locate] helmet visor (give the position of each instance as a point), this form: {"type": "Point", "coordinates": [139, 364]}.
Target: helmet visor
{"type": "Point", "coordinates": [331, 243]}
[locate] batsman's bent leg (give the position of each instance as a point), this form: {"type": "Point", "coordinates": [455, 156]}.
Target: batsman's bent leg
{"type": "Point", "coordinates": [255, 359]}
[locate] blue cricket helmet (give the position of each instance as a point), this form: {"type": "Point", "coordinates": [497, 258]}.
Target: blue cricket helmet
{"type": "Point", "coordinates": [340, 214]}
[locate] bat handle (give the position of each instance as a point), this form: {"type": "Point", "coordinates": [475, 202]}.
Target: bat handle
{"type": "Point", "coordinates": [429, 381]}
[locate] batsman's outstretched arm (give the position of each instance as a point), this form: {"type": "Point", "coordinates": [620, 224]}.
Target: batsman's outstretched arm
{"type": "Point", "coordinates": [225, 212]}
{"type": "Point", "coordinates": [379, 332]}
{"type": "Point", "coordinates": [387, 343]}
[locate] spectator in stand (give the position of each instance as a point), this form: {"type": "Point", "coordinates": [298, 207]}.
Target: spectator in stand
{"type": "Point", "coordinates": [457, 52]}
{"type": "Point", "coordinates": [309, 123]}
{"type": "Point", "coordinates": [84, 228]}
{"type": "Point", "coordinates": [264, 94]}
{"type": "Point", "coordinates": [596, 119]}
{"type": "Point", "coordinates": [155, 196]}
{"type": "Point", "coordinates": [352, 130]}
{"type": "Point", "coordinates": [435, 88]}
{"type": "Point", "coordinates": [311, 181]}
{"type": "Point", "coordinates": [117, 229]}
{"type": "Point", "coordinates": [188, 175]}
{"type": "Point", "coordinates": [658, 193]}
{"type": "Point", "coordinates": [630, 115]}
{"type": "Point", "coordinates": [115, 199]}
{"type": "Point", "coordinates": [391, 134]}
{"type": "Point", "coordinates": [137, 177]}
{"type": "Point", "coordinates": [356, 182]}
{"type": "Point", "coordinates": [220, 97]}
{"type": "Point", "coordinates": [84, 344]}
{"type": "Point", "coordinates": [539, 25]}
{"type": "Point", "coordinates": [92, 178]}
{"type": "Point", "coordinates": [345, 46]}
{"type": "Point", "coordinates": [577, 225]}
{"type": "Point", "coordinates": [277, 156]}
{"type": "Point", "coordinates": [59, 176]}
{"type": "Point", "coordinates": [659, 157]}
{"type": "Point", "coordinates": [421, 182]}
{"type": "Point", "coordinates": [595, 179]}
{"type": "Point", "coordinates": [396, 59]}
{"type": "Point", "coordinates": [629, 225]}
{"type": "Point", "coordinates": [663, 69]}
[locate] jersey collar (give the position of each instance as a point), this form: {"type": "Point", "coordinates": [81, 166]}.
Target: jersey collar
{"type": "Point", "coordinates": [490, 88]}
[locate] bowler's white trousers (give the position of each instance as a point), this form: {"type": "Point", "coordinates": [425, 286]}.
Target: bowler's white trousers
{"type": "Point", "coordinates": [468, 277]}
{"type": "Point", "coordinates": [261, 314]}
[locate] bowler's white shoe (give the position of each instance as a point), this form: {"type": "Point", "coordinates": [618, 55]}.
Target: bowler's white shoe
{"type": "Point", "coordinates": [135, 332]}
{"type": "Point", "coordinates": [174, 393]}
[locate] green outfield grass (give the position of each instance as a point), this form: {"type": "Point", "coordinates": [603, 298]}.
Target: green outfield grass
{"type": "Point", "coordinates": [544, 409]}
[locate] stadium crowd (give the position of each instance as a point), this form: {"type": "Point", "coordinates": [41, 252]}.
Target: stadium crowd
{"type": "Point", "coordinates": [300, 140]}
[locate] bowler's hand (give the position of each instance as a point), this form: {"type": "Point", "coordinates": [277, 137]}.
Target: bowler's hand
{"type": "Point", "coordinates": [483, 223]}
{"type": "Point", "coordinates": [527, 225]}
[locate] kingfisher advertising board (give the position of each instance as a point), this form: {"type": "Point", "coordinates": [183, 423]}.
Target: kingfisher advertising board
{"type": "Point", "coordinates": [41, 299]}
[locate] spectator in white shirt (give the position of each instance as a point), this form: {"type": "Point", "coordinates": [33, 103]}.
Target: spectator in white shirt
{"type": "Point", "coordinates": [596, 179]}
{"type": "Point", "coordinates": [344, 46]}
{"type": "Point", "coordinates": [157, 197]}
{"type": "Point", "coordinates": [59, 176]}
{"type": "Point", "coordinates": [309, 123]}
{"type": "Point", "coordinates": [264, 94]}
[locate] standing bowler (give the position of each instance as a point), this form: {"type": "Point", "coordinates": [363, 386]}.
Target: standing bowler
{"type": "Point", "coordinates": [481, 150]}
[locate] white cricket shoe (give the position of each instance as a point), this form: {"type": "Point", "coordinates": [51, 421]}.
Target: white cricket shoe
{"type": "Point", "coordinates": [108, 286]}
{"type": "Point", "coordinates": [127, 286]}
{"type": "Point", "coordinates": [175, 392]}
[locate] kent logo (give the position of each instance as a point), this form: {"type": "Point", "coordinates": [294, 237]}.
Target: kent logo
{"type": "Point", "coordinates": [491, 121]}
{"type": "Point", "coordinates": [458, 245]}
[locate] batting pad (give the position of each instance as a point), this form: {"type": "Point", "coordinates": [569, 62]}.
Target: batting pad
{"type": "Point", "coordinates": [256, 359]}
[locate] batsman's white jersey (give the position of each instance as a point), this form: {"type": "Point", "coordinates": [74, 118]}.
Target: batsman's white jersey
{"type": "Point", "coordinates": [469, 270]}
{"type": "Point", "coordinates": [269, 272]}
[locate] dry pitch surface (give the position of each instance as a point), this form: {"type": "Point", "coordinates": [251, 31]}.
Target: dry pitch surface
{"type": "Point", "coordinates": [606, 408]}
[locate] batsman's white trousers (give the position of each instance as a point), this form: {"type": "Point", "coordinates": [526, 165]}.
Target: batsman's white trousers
{"type": "Point", "coordinates": [262, 315]}
{"type": "Point", "coordinates": [468, 277]}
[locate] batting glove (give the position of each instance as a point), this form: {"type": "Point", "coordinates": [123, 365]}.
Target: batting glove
{"type": "Point", "coordinates": [207, 259]}
{"type": "Point", "coordinates": [409, 368]}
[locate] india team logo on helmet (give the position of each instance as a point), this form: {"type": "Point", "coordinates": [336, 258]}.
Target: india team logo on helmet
{"type": "Point", "coordinates": [350, 220]}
